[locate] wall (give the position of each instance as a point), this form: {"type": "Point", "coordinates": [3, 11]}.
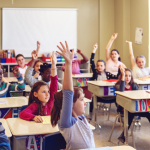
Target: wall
{"type": "Point", "coordinates": [87, 19]}
{"type": "Point", "coordinates": [139, 18]}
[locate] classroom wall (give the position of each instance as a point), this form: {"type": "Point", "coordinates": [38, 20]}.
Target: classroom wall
{"type": "Point", "coordinates": [139, 18]}
{"type": "Point", "coordinates": [106, 21]}
{"type": "Point", "coordinates": [87, 19]}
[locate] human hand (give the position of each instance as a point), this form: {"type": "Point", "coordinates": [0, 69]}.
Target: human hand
{"type": "Point", "coordinates": [54, 59]}
{"type": "Point", "coordinates": [65, 52]}
{"type": "Point", "coordinates": [38, 44]}
{"type": "Point", "coordinates": [114, 36]}
{"type": "Point", "coordinates": [79, 51]}
{"type": "Point", "coordinates": [36, 75]}
{"type": "Point", "coordinates": [34, 55]}
{"type": "Point", "coordinates": [122, 71]}
{"type": "Point", "coordinates": [15, 69]}
{"type": "Point", "coordinates": [130, 43]}
{"type": "Point", "coordinates": [38, 119]}
{"type": "Point", "coordinates": [95, 48]}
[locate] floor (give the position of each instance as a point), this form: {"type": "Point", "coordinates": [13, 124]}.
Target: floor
{"type": "Point", "coordinates": [142, 136]}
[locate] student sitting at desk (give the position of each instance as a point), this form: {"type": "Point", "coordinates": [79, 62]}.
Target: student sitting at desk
{"type": "Point", "coordinates": [138, 67]}
{"type": "Point", "coordinates": [126, 83]}
{"type": "Point", "coordinates": [77, 62]}
{"type": "Point", "coordinates": [4, 142]}
{"type": "Point", "coordinates": [6, 87]}
{"type": "Point", "coordinates": [45, 72]}
{"type": "Point", "coordinates": [69, 107]}
{"type": "Point", "coordinates": [41, 98]}
{"type": "Point", "coordinates": [113, 62]}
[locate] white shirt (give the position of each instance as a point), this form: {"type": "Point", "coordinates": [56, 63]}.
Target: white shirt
{"type": "Point", "coordinates": [140, 73]}
{"type": "Point", "coordinates": [22, 71]}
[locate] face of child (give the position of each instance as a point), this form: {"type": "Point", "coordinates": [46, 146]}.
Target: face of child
{"type": "Point", "coordinates": [80, 105]}
{"type": "Point", "coordinates": [114, 55]}
{"type": "Point", "coordinates": [43, 94]}
{"type": "Point", "coordinates": [100, 66]}
{"type": "Point", "coordinates": [46, 75]}
{"type": "Point", "coordinates": [21, 61]}
{"type": "Point", "coordinates": [37, 66]}
{"type": "Point", "coordinates": [141, 62]}
{"type": "Point", "coordinates": [127, 77]}
{"type": "Point", "coordinates": [1, 74]}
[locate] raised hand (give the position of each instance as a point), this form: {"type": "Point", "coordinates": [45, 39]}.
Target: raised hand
{"type": "Point", "coordinates": [15, 69]}
{"type": "Point", "coordinates": [65, 52]}
{"type": "Point", "coordinates": [122, 71]}
{"type": "Point", "coordinates": [78, 51]}
{"type": "Point", "coordinates": [95, 48]}
{"type": "Point", "coordinates": [38, 46]}
{"type": "Point", "coordinates": [114, 36]}
{"type": "Point", "coordinates": [36, 75]}
{"type": "Point", "coordinates": [34, 55]}
{"type": "Point", "coordinates": [128, 42]}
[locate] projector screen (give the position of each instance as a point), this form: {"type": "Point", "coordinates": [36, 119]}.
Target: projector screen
{"type": "Point", "coordinates": [23, 27]}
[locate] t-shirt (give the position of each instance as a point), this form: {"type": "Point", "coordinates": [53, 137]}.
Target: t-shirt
{"type": "Point", "coordinates": [139, 73]}
{"type": "Point", "coordinates": [75, 66]}
{"type": "Point", "coordinates": [102, 77]}
{"type": "Point", "coordinates": [22, 70]}
{"type": "Point", "coordinates": [112, 67]}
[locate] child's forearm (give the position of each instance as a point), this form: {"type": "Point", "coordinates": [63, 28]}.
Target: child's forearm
{"type": "Point", "coordinates": [85, 59]}
{"type": "Point", "coordinates": [53, 70]}
{"type": "Point", "coordinates": [108, 48]}
{"type": "Point", "coordinates": [32, 63]}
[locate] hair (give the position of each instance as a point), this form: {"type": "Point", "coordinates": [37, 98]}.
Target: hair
{"type": "Point", "coordinates": [32, 98]}
{"type": "Point", "coordinates": [100, 60]}
{"type": "Point", "coordinates": [44, 67]}
{"type": "Point", "coordinates": [58, 98]}
{"type": "Point", "coordinates": [2, 67]}
{"type": "Point", "coordinates": [117, 52]}
{"type": "Point", "coordinates": [140, 56]}
{"type": "Point", "coordinates": [120, 76]}
{"type": "Point", "coordinates": [37, 62]}
{"type": "Point", "coordinates": [19, 56]}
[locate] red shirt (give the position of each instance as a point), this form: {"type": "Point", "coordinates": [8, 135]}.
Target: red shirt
{"type": "Point", "coordinates": [32, 110]}
{"type": "Point", "coordinates": [130, 89]}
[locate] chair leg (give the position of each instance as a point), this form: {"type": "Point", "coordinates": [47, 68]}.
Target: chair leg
{"type": "Point", "coordinates": [133, 141]}
{"type": "Point", "coordinates": [113, 128]}
{"type": "Point", "coordinates": [109, 111]}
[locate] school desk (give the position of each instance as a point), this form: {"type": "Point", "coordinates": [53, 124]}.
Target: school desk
{"type": "Point", "coordinates": [143, 85]}
{"type": "Point", "coordinates": [10, 107]}
{"type": "Point", "coordinates": [5, 125]}
{"type": "Point", "coordinates": [133, 101]}
{"type": "Point", "coordinates": [112, 148]}
{"type": "Point", "coordinates": [11, 79]}
{"type": "Point", "coordinates": [21, 129]}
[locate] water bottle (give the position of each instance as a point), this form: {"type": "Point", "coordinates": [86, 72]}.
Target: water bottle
{"type": "Point", "coordinates": [8, 54]}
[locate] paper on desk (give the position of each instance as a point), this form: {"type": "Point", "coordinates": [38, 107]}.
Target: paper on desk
{"type": "Point", "coordinates": [2, 102]}
{"type": "Point", "coordinates": [46, 119]}
{"type": "Point", "coordinates": [101, 148]}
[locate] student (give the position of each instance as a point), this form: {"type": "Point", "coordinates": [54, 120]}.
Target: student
{"type": "Point", "coordinates": [69, 107]}
{"type": "Point", "coordinates": [126, 83]}
{"type": "Point", "coordinates": [77, 62]}
{"type": "Point", "coordinates": [113, 60]}
{"type": "Point", "coordinates": [41, 98]}
{"type": "Point", "coordinates": [99, 73]}
{"type": "Point", "coordinates": [6, 87]}
{"type": "Point", "coordinates": [36, 71]}
{"type": "Point", "coordinates": [4, 142]}
{"type": "Point", "coordinates": [45, 71]}
{"type": "Point", "coordinates": [138, 67]}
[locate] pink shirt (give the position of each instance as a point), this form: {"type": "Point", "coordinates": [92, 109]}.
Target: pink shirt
{"type": "Point", "coordinates": [32, 110]}
{"type": "Point", "coordinates": [112, 67]}
{"type": "Point", "coordinates": [75, 66]}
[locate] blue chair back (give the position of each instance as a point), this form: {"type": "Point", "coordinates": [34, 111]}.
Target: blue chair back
{"type": "Point", "coordinates": [53, 142]}
{"type": "Point", "coordinates": [23, 107]}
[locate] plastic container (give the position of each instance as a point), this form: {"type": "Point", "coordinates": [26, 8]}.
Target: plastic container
{"type": "Point", "coordinates": [13, 60]}
{"type": "Point", "coordinates": [3, 60]}
{"type": "Point", "coordinates": [45, 59]}
{"type": "Point", "coordinates": [59, 59]}
{"type": "Point", "coordinates": [8, 60]}
{"type": "Point", "coordinates": [8, 54]}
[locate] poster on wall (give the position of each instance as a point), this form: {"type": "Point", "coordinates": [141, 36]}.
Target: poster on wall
{"type": "Point", "coordinates": [138, 35]}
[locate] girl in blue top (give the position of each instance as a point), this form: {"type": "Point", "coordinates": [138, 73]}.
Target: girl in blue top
{"type": "Point", "coordinates": [69, 107]}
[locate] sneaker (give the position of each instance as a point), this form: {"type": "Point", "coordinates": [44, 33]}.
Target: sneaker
{"type": "Point", "coordinates": [121, 138]}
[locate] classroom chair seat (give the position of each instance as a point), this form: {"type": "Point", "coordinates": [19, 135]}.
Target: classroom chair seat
{"type": "Point", "coordinates": [53, 141]}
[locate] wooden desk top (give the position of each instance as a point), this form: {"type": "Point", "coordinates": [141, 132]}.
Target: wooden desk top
{"type": "Point", "coordinates": [20, 127]}
{"type": "Point", "coordinates": [11, 79]}
{"type": "Point", "coordinates": [101, 83]}
{"type": "Point", "coordinates": [140, 82]}
{"type": "Point", "coordinates": [5, 125]}
{"type": "Point", "coordinates": [12, 102]}
{"type": "Point", "coordinates": [82, 75]}
{"type": "Point", "coordinates": [134, 94]}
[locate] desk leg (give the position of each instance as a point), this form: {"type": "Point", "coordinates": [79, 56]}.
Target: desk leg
{"type": "Point", "coordinates": [95, 107]}
{"type": "Point", "coordinates": [126, 125]}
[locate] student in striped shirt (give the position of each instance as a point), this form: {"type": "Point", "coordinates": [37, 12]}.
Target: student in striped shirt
{"type": "Point", "coordinates": [69, 107]}
{"type": "Point", "coordinates": [6, 87]}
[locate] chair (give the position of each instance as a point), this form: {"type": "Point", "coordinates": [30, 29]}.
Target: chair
{"type": "Point", "coordinates": [53, 142]}
{"type": "Point", "coordinates": [23, 107]}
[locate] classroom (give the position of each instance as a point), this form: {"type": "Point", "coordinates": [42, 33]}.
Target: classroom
{"type": "Point", "coordinates": [112, 93]}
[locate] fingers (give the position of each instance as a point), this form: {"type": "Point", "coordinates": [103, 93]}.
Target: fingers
{"type": "Point", "coordinates": [59, 53]}
{"type": "Point", "coordinates": [72, 50]}
{"type": "Point", "coordinates": [62, 46]}
{"type": "Point", "coordinates": [66, 45]}
{"type": "Point", "coordinates": [40, 118]}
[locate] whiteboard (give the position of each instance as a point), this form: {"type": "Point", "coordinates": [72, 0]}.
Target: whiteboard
{"type": "Point", "coordinates": [22, 27]}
